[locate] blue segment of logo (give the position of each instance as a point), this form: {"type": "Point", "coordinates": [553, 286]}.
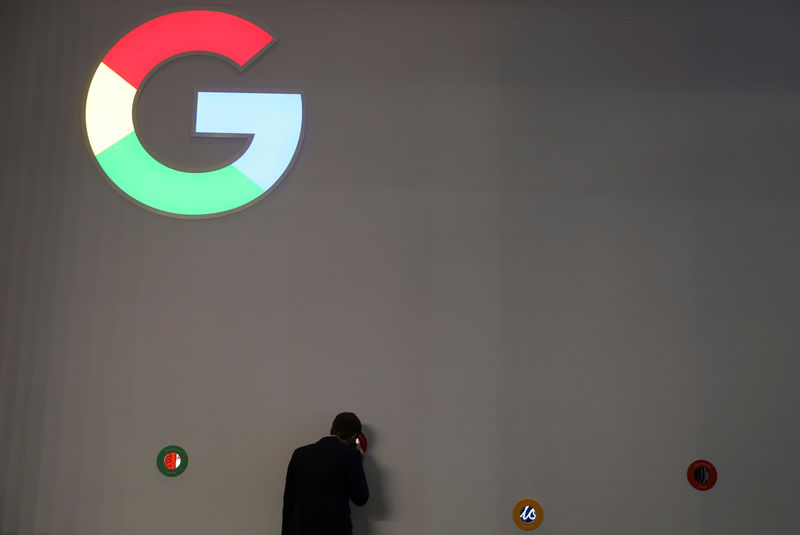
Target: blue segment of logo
{"type": "Point", "coordinates": [274, 119]}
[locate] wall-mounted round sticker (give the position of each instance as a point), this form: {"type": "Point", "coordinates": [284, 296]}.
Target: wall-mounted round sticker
{"type": "Point", "coordinates": [172, 461]}
{"type": "Point", "coordinates": [362, 441]}
{"type": "Point", "coordinates": [701, 474]}
{"type": "Point", "coordinates": [528, 514]}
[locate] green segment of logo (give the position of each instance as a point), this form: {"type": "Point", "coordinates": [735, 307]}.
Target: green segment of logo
{"type": "Point", "coordinates": [153, 184]}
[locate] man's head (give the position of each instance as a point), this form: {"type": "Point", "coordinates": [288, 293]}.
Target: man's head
{"type": "Point", "coordinates": [346, 426]}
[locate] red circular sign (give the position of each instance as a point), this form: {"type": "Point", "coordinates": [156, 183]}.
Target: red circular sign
{"type": "Point", "coordinates": [362, 441]}
{"type": "Point", "coordinates": [702, 475]}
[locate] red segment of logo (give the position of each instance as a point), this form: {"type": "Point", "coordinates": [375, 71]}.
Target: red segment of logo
{"type": "Point", "coordinates": [141, 50]}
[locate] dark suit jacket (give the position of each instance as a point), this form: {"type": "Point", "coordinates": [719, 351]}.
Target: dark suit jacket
{"type": "Point", "coordinates": [321, 480]}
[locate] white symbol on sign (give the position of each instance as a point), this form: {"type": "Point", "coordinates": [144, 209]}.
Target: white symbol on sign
{"type": "Point", "coordinates": [528, 514]}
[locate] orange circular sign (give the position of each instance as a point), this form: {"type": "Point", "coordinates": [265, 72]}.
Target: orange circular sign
{"type": "Point", "coordinates": [528, 514]}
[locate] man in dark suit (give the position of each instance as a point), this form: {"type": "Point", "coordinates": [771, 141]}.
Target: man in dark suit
{"type": "Point", "coordinates": [322, 479]}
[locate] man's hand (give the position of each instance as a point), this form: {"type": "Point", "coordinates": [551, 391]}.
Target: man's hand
{"type": "Point", "coordinates": [360, 450]}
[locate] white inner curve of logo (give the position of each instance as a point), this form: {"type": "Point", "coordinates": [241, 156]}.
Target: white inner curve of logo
{"type": "Point", "coordinates": [528, 514]}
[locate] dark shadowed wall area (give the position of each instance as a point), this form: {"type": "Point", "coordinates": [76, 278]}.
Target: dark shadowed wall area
{"type": "Point", "coordinates": [544, 249]}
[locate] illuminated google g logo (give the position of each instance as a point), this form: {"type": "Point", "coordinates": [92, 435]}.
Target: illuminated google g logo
{"type": "Point", "coordinates": [274, 120]}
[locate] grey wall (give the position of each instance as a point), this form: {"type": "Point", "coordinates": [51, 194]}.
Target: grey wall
{"type": "Point", "coordinates": [543, 249]}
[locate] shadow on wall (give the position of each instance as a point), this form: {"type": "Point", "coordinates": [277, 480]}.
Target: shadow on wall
{"type": "Point", "coordinates": [376, 508]}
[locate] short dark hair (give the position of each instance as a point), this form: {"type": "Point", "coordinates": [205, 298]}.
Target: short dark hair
{"type": "Point", "coordinates": [346, 425]}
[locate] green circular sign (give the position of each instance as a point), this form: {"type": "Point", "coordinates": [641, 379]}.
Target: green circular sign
{"type": "Point", "coordinates": [172, 461]}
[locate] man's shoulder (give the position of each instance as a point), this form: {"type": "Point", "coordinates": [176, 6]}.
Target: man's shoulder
{"type": "Point", "coordinates": [326, 444]}
{"type": "Point", "coordinates": [320, 444]}
{"type": "Point", "coordinates": [303, 449]}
